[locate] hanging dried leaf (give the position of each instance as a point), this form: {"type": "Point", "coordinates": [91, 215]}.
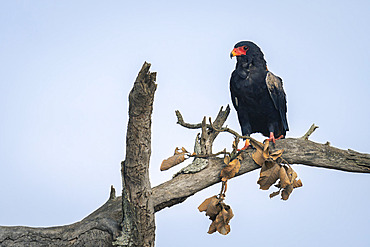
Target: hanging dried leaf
{"type": "Point", "coordinates": [286, 192]}
{"type": "Point", "coordinates": [221, 222]}
{"type": "Point", "coordinates": [284, 179]}
{"type": "Point", "coordinates": [286, 174]}
{"type": "Point", "coordinates": [266, 152]}
{"type": "Point", "coordinates": [203, 207]}
{"type": "Point", "coordinates": [218, 223]}
{"type": "Point", "coordinates": [227, 159]}
{"type": "Point", "coordinates": [227, 213]}
{"type": "Point", "coordinates": [230, 170]}
{"type": "Point", "coordinates": [269, 174]}
{"type": "Point", "coordinates": [268, 165]}
{"type": "Point", "coordinates": [172, 161]}
{"type": "Point", "coordinates": [212, 227]}
{"type": "Point", "coordinates": [223, 229]}
{"type": "Point", "coordinates": [273, 194]}
{"type": "Point", "coordinates": [213, 208]}
{"type": "Point", "coordinates": [291, 173]}
{"type": "Point", "coordinates": [256, 144]}
{"type": "Point", "coordinates": [262, 153]}
{"type": "Point", "coordinates": [258, 157]}
{"type": "Point", "coordinates": [297, 183]}
{"type": "Point", "coordinates": [258, 154]}
{"type": "Point", "coordinates": [277, 154]}
{"type": "Point", "coordinates": [183, 150]}
{"type": "Point", "coordinates": [223, 219]}
{"type": "Point", "coordinates": [219, 213]}
{"type": "Point", "coordinates": [294, 176]}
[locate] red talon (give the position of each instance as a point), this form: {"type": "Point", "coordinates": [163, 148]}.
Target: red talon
{"type": "Point", "coordinates": [273, 139]}
{"type": "Point", "coordinates": [246, 145]}
{"type": "Point", "coordinates": [280, 137]}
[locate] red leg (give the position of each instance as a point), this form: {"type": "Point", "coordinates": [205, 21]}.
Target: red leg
{"type": "Point", "coordinates": [280, 137]}
{"type": "Point", "coordinates": [246, 145]}
{"type": "Point", "coordinates": [273, 139]}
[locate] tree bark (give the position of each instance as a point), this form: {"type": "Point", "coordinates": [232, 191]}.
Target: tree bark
{"type": "Point", "coordinates": [297, 151]}
{"type": "Point", "coordinates": [139, 202]}
{"type": "Point", "coordinates": [98, 229]}
{"type": "Point", "coordinates": [103, 226]}
{"type": "Point", "coordinates": [137, 205]}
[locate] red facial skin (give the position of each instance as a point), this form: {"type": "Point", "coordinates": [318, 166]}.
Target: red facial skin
{"type": "Point", "coordinates": [242, 50]}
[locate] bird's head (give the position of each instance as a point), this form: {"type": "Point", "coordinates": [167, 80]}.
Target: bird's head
{"type": "Point", "coordinates": [245, 48]}
{"type": "Point", "coordinates": [248, 52]}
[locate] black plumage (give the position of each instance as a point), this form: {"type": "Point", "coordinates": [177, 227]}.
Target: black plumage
{"type": "Point", "coordinates": [257, 94]}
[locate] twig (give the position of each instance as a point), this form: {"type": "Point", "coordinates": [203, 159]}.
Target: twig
{"type": "Point", "coordinates": [309, 132]}
{"type": "Point", "coordinates": [180, 121]}
{"type": "Point", "coordinates": [112, 194]}
{"type": "Point", "coordinates": [209, 155]}
{"type": "Point", "coordinates": [223, 190]}
{"type": "Point", "coordinates": [212, 126]}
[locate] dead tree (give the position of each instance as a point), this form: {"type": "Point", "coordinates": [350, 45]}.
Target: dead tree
{"type": "Point", "coordinates": [108, 226]}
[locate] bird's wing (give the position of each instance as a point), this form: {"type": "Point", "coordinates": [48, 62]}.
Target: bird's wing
{"type": "Point", "coordinates": [277, 94]}
{"type": "Point", "coordinates": [234, 99]}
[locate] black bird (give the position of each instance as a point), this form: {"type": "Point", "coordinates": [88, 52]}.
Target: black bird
{"type": "Point", "coordinates": [257, 94]}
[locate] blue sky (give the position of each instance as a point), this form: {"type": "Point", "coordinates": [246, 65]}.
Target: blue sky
{"type": "Point", "coordinates": [67, 67]}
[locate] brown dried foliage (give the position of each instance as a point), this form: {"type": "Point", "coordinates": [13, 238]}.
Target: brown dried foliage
{"type": "Point", "coordinates": [269, 175]}
{"type": "Point", "coordinates": [273, 170]}
{"type": "Point", "coordinates": [177, 158]}
{"type": "Point", "coordinates": [219, 213]}
{"type": "Point", "coordinates": [231, 168]}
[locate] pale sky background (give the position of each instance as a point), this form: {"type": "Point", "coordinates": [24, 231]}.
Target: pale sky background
{"type": "Point", "coordinates": [67, 67]}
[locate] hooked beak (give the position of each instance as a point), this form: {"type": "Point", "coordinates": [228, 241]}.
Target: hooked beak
{"type": "Point", "coordinates": [232, 54]}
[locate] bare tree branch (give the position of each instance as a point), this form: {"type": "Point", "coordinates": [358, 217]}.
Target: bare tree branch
{"type": "Point", "coordinates": [138, 211]}
{"type": "Point", "coordinates": [297, 151]}
{"type": "Point", "coordinates": [97, 229]}
{"type": "Point", "coordinates": [309, 132]}
{"type": "Point", "coordinates": [103, 226]}
{"type": "Point", "coordinates": [180, 121]}
{"type": "Point", "coordinates": [105, 221]}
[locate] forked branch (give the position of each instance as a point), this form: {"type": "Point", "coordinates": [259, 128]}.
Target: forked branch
{"type": "Point", "coordinates": [103, 226]}
{"type": "Point", "coordinates": [211, 126]}
{"type": "Point", "coordinates": [309, 132]}
{"type": "Point", "coordinates": [296, 151]}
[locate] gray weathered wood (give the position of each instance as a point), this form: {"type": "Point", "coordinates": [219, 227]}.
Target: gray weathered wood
{"type": "Point", "coordinates": [297, 151]}
{"type": "Point", "coordinates": [138, 225]}
{"type": "Point", "coordinates": [103, 226]}
{"type": "Point", "coordinates": [97, 229]}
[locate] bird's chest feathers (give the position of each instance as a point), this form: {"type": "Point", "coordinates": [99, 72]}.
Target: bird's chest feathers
{"type": "Point", "coordinates": [251, 82]}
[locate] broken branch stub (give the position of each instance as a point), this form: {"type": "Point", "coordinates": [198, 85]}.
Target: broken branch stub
{"type": "Point", "coordinates": [309, 132]}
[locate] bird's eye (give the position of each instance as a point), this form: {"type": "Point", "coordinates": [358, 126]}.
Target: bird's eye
{"type": "Point", "coordinates": [245, 47]}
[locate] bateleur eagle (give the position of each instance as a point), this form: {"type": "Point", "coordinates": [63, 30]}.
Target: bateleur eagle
{"type": "Point", "coordinates": [257, 94]}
